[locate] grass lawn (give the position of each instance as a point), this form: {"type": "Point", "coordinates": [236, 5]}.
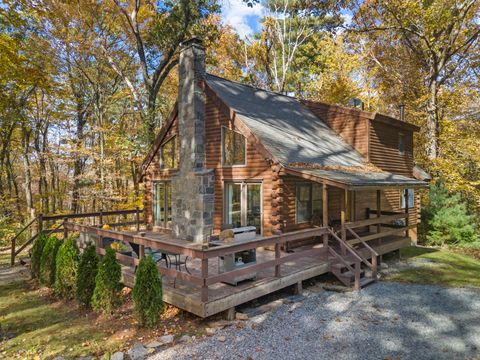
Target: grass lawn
{"type": "Point", "coordinates": [437, 266]}
{"type": "Point", "coordinates": [35, 325]}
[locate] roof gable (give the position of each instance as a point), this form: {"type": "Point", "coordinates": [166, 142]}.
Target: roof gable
{"type": "Point", "coordinates": [287, 128]}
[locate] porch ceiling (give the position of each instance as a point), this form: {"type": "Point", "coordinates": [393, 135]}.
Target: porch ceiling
{"type": "Point", "coordinates": [358, 180]}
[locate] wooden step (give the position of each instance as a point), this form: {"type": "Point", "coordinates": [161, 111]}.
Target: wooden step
{"type": "Point", "coordinates": [366, 281]}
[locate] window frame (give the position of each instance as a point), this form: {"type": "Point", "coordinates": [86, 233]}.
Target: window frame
{"type": "Point", "coordinates": [402, 198]}
{"type": "Point", "coordinates": [243, 200]}
{"type": "Point", "coordinates": [175, 154]}
{"type": "Point", "coordinates": [311, 200]}
{"type": "Point", "coordinates": [164, 223]}
{"type": "Point", "coordinates": [401, 143]}
{"type": "Point", "coordinates": [222, 145]}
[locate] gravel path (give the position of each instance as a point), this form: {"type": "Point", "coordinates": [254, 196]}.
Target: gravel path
{"type": "Point", "coordinates": [384, 321]}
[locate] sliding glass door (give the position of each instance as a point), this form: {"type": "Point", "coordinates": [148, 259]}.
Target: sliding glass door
{"type": "Point", "coordinates": [243, 205]}
{"type": "Point", "coordinates": [162, 204]}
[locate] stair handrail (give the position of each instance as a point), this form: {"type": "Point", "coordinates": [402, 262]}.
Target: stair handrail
{"type": "Point", "coordinates": [13, 242]}
{"type": "Point", "coordinates": [337, 255]}
{"type": "Point", "coordinates": [355, 254]}
{"type": "Point", "coordinates": [373, 266]}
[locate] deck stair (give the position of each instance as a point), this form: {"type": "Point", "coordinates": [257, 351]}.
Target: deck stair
{"type": "Point", "coordinates": [349, 264]}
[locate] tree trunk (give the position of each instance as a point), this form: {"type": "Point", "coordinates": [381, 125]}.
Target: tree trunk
{"type": "Point", "coordinates": [432, 121]}
{"type": "Point", "coordinates": [79, 159]}
{"type": "Point", "coordinates": [27, 173]}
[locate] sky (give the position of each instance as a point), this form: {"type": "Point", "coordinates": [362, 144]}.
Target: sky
{"type": "Point", "coordinates": [244, 20]}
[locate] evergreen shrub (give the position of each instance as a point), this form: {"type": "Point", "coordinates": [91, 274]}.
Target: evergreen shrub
{"type": "Point", "coordinates": [66, 268]}
{"type": "Point", "coordinates": [107, 283]}
{"type": "Point", "coordinates": [48, 260]}
{"type": "Point", "coordinates": [87, 271]}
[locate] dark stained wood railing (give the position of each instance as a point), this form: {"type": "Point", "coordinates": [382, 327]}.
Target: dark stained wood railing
{"type": "Point", "coordinates": [204, 253]}
{"type": "Point", "coordinates": [41, 220]}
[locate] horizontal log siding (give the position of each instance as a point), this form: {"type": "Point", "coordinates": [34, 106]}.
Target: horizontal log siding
{"type": "Point", "coordinates": [256, 168]}
{"type": "Point", "coordinates": [384, 149]}
{"type": "Point", "coordinates": [154, 173]}
{"type": "Point", "coordinates": [350, 125]}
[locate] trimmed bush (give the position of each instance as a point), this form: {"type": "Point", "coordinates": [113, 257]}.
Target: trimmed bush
{"type": "Point", "coordinates": [66, 268]}
{"type": "Point", "coordinates": [107, 283]}
{"type": "Point", "coordinates": [87, 271]}
{"type": "Point", "coordinates": [47, 262]}
{"type": "Point", "coordinates": [36, 255]}
{"type": "Point", "coordinates": [147, 293]}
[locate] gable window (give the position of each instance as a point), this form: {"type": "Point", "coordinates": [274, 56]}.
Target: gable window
{"type": "Point", "coordinates": [169, 154]}
{"type": "Point", "coordinates": [401, 143]}
{"type": "Point", "coordinates": [411, 198]}
{"type": "Point", "coordinates": [233, 148]}
{"type": "Point", "coordinates": [308, 202]}
{"type": "Point", "coordinates": [162, 204]}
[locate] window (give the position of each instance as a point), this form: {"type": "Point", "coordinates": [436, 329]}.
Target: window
{"type": "Point", "coordinates": [162, 204]}
{"type": "Point", "coordinates": [233, 148]}
{"type": "Point", "coordinates": [308, 202]}
{"type": "Point", "coordinates": [169, 154]}
{"type": "Point", "coordinates": [243, 205]}
{"type": "Point", "coordinates": [411, 198]}
{"type": "Point", "coordinates": [401, 144]}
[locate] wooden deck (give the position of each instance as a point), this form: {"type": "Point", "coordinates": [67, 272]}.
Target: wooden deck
{"type": "Point", "coordinates": [203, 291]}
{"type": "Point", "coordinates": [222, 296]}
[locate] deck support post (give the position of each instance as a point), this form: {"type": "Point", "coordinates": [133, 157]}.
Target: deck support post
{"type": "Point", "coordinates": [405, 194]}
{"type": "Point", "coordinates": [65, 229]}
{"type": "Point", "coordinates": [379, 208]}
{"type": "Point", "coordinates": [277, 256]}
{"type": "Point", "coordinates": [343, 199]}
{"type": "Point", "coordinates": [12, 255]}
{"type": "Point", "coordinates": [298, 288]}
{"type": "Point", "coordinates": [357, 275]}
{"type": "Point", "coordinates": [325, 212]}
{"type": "Point", "coordinates": [39, 223]}
{"type": "Point", "coordinates": [204, 292]}
{"type": "Point", "coordinates": [374, 267]}
{"type": "Point", "coordinates": [100, 218]}
{"type": "Point", "coordinates": [229, 314]}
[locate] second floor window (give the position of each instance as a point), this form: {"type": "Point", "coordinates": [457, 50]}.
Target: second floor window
{"type": "Point", "coordinates": [169, 154]}
{"type": "Point", "coordinates": [401, 144]}
{"type": "Point", "coordinates": [233, 148]}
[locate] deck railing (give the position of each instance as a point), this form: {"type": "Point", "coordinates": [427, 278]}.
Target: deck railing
{"type": "Point", "coordinates": [204, 253]}
{"type": "Point", "coordinates": [38, 225]}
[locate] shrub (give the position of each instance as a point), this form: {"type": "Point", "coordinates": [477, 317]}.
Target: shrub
{"type": "Point", "coordinates": [66, 268]}
{"type": "Point", "coordinates": [87, 271]}
{"type": "Point", "coordinates": [36, 256]}
{"type": "Point", "coordinates": [47, 262]}
{"type": "Point", "coordinates": [107, 283]}
{"type": "Point", "coordinates": [446, 219]}
{"type": "Point", "coordinates": [147, 293]}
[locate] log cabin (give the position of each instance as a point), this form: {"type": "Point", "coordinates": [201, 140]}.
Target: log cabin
{"type": "Point", "coordinates": [249, 191]}
{"type": "Point", "coordinates": [232, 155]}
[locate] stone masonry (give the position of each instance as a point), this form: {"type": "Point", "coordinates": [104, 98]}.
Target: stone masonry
{"type": "Point", "coordinates": [192, 184]}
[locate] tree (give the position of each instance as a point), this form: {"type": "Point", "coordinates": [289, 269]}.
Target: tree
{"type": "Point", "coordinates": [48, 260]}
{"type": "Point", "coordinates": [440, 34]}
{"type": "Point", "coordinates": [107, 283]}
{"type": "Point", "coordinates": [66, 268]}
{"type": "Point", "coordinates": [86, 274]}
{"type": "Point", "coordinates": [36, 256]}
{"type": "Point", "coordinates": [147, 293]}
{"type": "Point", "coordinates": [446, 220]}
{"type": "Point", "coordinates": [155, 31]}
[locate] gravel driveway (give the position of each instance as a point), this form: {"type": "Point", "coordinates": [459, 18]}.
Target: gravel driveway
{"type": "Point", "coordinates": [384, 321]}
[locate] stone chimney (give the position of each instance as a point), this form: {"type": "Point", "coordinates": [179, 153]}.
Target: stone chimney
{"type": "Point", "coordinates": [192, 184]}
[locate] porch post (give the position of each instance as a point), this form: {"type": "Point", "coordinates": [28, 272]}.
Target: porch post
{"type": "Point", "coordinates": [405, 194]}
{"type": "Point", "coordinates": [342, 218]}
{"type": "Point", "coordinates": [379, 208]}
{"type": "Point", "coordinates": [325, 212]}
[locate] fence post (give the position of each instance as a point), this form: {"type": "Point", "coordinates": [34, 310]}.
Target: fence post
{"type": "Point", "coordinates": [65, 230]}
{"type": "Point", "coordinates": [101, 218]}
{"type": "Point", "coordinates": [40, 223]}
{"type": "Point", "coordinates": [12, 260]}
{"type": "Point", "coordinates": [137, 218]}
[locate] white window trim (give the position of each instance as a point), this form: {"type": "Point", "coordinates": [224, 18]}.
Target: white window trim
{"type": "Point", "coordinates": [243, 197]}
{"type": "Point", "coordinates": [401, 135]}
{"type": "Point", "coordinates": [222, 151]}
{"type": "Point", "coordinates": [402, 198]}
